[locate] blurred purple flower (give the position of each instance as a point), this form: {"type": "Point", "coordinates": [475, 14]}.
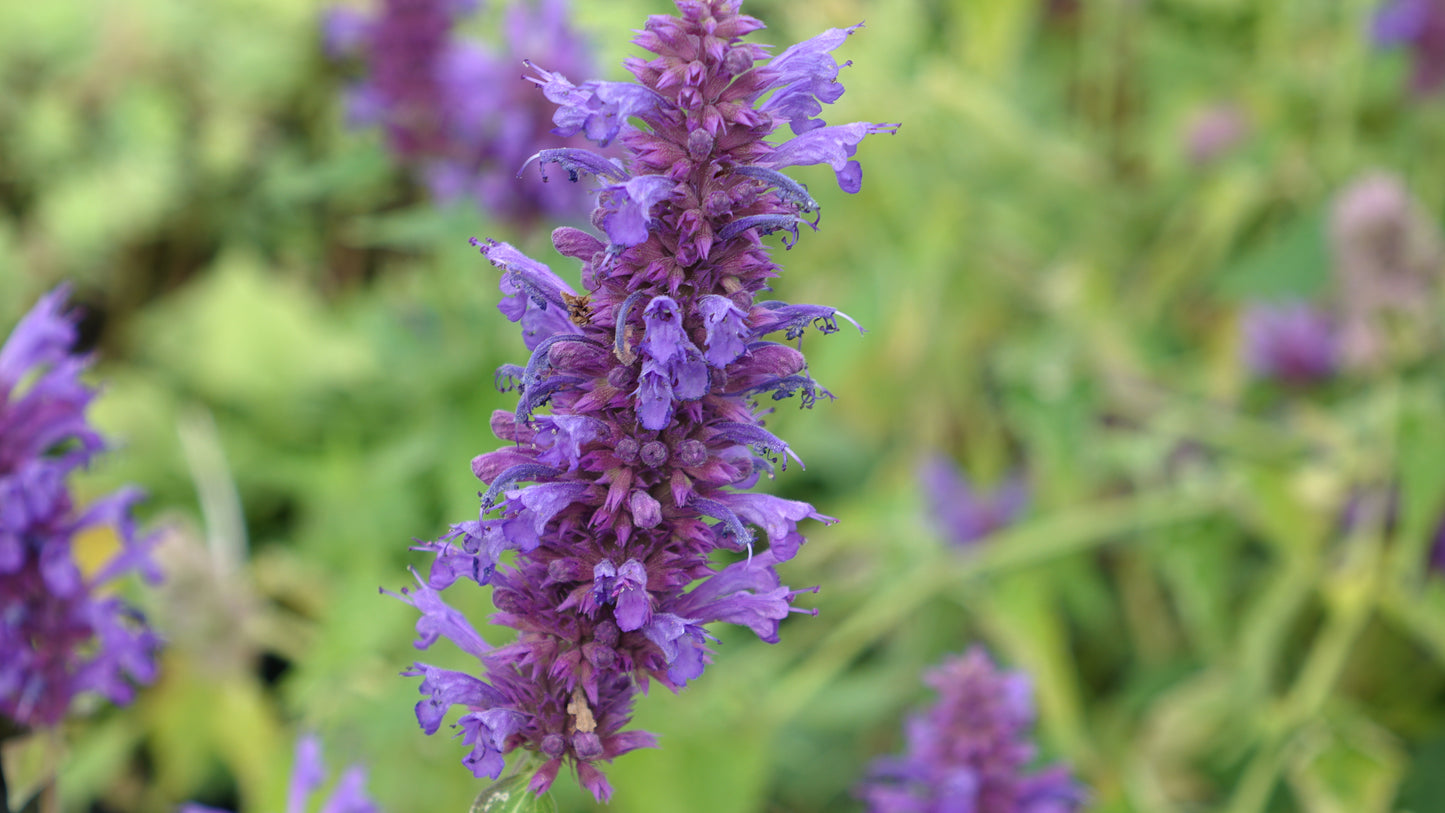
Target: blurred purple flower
{"type": "Point", "coordinates": [1291, 342]}
{"type": "Point", "coordinates": [1420, 26]}
{"type": "Point", "coordinates": [459, 112]}
{"type": "Point", "coordinates": [1388, 253]}
{"type": "Point", "coordinates": [969, 751]}
{"type": "Point", "coordinates": [308, 774]}
{"type": "Point", "coordinates": [60, 634]}
{"type": "Point", "coordinates": [1214, 131]}
{"type": "Point", "coordinates": [963, 513]}
{"type": "Point", "coordinates": [616, 503]}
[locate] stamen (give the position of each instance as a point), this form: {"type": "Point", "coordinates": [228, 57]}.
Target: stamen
{"type": "Point", "coordinates": [730, 522]}
{"type": "Point", "coordinates": [757, 437]}
{"type": "Point", "coordinates": [533, 472]}
{"type": "Point", "coordinates": [575, 160]}
{"type": "Point", "coordinates": [620, 341]}
{"type": "Point", "coordinates": [788, 189]}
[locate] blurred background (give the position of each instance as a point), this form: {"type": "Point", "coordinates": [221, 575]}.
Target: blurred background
{"type": "Point", "coordinates": [1162, 275]}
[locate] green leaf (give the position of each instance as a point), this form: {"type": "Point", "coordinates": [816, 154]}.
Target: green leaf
{"type": "Point", "coordinates": [29, 764]}
{"type": "Point", "coordinates": [1292, 263]}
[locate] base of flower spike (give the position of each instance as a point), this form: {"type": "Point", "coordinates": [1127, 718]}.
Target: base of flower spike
{"type": "Point", "coordinates": [511, 795]}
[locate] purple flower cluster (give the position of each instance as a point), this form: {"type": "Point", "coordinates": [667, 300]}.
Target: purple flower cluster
{"type": "Point", "coordinates": [457, 111]}
{"type": "Point", "coordinates": [968, 753]}
{"type": "Point", "coordinates": [641, 471]}
{"type": "Point", "coordinates": [308, 774]}
{"type": "Point", "coordinates": [1291, 342]}
{"type": "Point", "coordinates": [60, 635]}
{"type": "Point", "coordinates": [1419, 25]}
{"type": "Point", "coordinates": [964, 513]}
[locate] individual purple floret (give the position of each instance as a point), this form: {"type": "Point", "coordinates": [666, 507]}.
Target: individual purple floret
{"type": "Point", "coordinates": [61, 635]}
{"type": "Point", "coordinates": [1291, 342]}
{"type": "Point", "coordinates": [458, 111]}
{"type": "Point", "coordinates": [969, 751]}
{"type": "Point", "coordinates": [616, 503]}
{"type": "Point", "coordinates": [308, 774]}
{"type": "Point", "coordinates": [963, 513]}
{"type": "Point", "coordinates": [1420, 26]}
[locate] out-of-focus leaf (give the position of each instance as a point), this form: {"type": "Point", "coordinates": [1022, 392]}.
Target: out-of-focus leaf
{"type": "Point", "coordinates": [246, 336]}
{"type": "Point", "coordinates": [1292, 263]}
{"type": "Point", "coordinates": [1346, 764]}
{"type": "Point", "coordinates": [30, 763]}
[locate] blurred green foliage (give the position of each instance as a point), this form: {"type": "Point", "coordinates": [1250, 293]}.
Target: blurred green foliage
{"type": "Point", "coordinates": [297, 352]}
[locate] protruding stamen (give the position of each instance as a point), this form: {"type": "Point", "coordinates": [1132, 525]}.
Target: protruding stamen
{"type": "Point", "coordinates": [574, 161]}
{"type": "Point", "coordinates": [730, 522]}
{"type": "Point", "coordinates": [765, 224]}
{"type": "Point", "coordinates": [788, 189]}
{"type": "Point", "coordinates": [620, 341]}
{"type": "Point", "coordinates": [757, 437]}
{"type": "Point", "coordinates": [522, 471]}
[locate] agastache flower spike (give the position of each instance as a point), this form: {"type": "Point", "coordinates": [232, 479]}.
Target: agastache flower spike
{"type": "Point", "coordinates": [459, 112]}
{"type": "Point", "coordinates": [615, 501]}
{"type": "Point", "coordinates": [61, 634]}
{"type": "Point", "coordinates": [308, 774]}
{"type": "Point", "coordinates": [969, 751]}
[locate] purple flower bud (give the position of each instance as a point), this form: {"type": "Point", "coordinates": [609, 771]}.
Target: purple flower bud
{"type": "Point", "coordinates": [654, 453]}
{"type": "Point", "coordinates": [646, 511]}
{"type": "Point", "coordinates": [627, 449]}
{"type": "Point", "coordinates": [692, 453]}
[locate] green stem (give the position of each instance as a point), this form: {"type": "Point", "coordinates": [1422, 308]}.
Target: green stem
{"type": "Point", "coordinates": [1350, 610]}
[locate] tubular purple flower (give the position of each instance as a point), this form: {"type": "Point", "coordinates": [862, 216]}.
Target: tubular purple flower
{"type": "Point", "coordinates": [59, 635]}
{"type": "Point", "coordinates": [617, 498]}
{"type": "Point", "coordinates": [969, 751]}
{"type": "Point", "coordinates": [962, 512]}
{"type": "Point", "coordinates": [805, 77]}
{"type": "Point", "coordinates": [598, 110]}
{"type": "Point", "coordinates": [833, 146]}
{"type": "Point", "coordinates": [627, 208]}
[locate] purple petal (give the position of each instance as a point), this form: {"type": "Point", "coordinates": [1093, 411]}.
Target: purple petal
{"type": "Point", "coordinates": [307, 773]}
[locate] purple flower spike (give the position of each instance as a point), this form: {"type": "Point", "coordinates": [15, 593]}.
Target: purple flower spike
{"type": "Point", "coordinates": [638, 433]}
{"type": "Point", "coordinates": [962, 512]}
{"type": "Point", "coordinates": [60, 635]}
{"type": "Point", "coordinates": [1420, 26]}
{"type": "Point", "coordinates": [969, 751]}
{"type": "Point", "coordinates": [308, 774]}
{"type": "Point", "coordinates": [460, 114]}
{"type": "Point", "coordinates": [1291, 342]}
